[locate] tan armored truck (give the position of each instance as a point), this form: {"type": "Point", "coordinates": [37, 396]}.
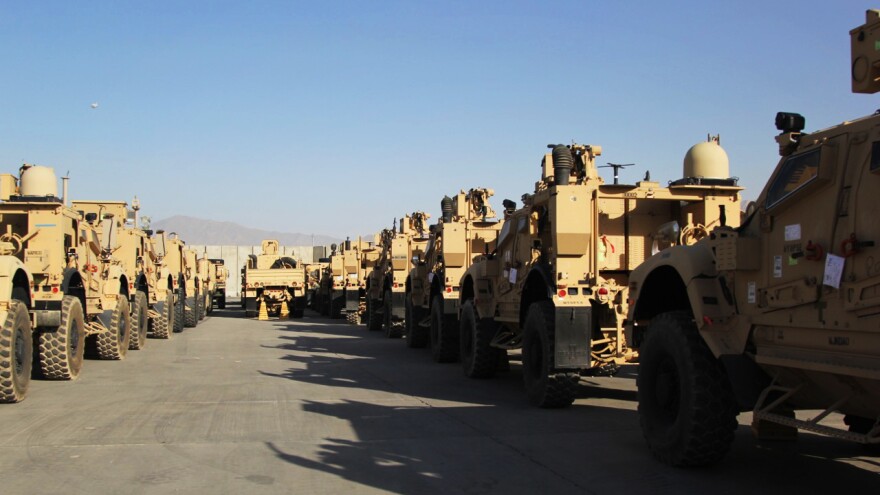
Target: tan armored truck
{"type": "Point", "coordinates": [133, 250]}
{"type": "Point", "coordinates": [80, 292]}
{"type": "Point", "coordinates": [192, 289]}
{"type": "Point", "coordinates": [207, 276]}
{"type": "Point", "coordinates": [331, 286]}
{"type": "Point", "coordinates": [314, 273]}
{"type": "Point", "coordinates": [781, 314]}
{"type": "Point", "coordinates": [358, 259]}
{"type": "Point", "coordinates": [386, 283]}
{"type": "Point", "coordinates": [221, 275]}
{"type": "Point", "coordinates": [433, 294]}
{"type": "Point", "coordinates": [16, 302]}
{"type": "Point", "coordinates": [16, 333]}
{"type": "Point", "coordinates": [556, 283]}
{"type": "Point", "coordinates": [273, 284]}
{"type": "Point", "coordinates": [171, 283]}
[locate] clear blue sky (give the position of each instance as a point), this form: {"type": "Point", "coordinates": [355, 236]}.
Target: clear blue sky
{"type": "Point", "coordinates": [335, 117]}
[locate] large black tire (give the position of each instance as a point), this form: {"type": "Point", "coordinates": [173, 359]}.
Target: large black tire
{"type": "Point", "coordinates": [139, 320]}
{"type": "Point", "coordinates": [203, 305]}
{"type": "Point", "coordinates": [113, 344]}
{"type": "Point", "coordinates": [353, 318]}
{"type": "Point", "coordinates": [322, 305]}
{"type": "Point", "coordinates": [61, 350]}
{"type": "Point", "coordinates": [687, 409]}
{"type": "Point", "coordinates": [16, 353]}
{"type": "Point", "coordinates": [374, 318]}
{"type": "Point", "coordinates": [163, 327]}
{"type": "Point", "coordinates": [191, 312]}
{"type": "Point", "coordinates": [179, 311]}
{"type": "Point", "coordinates": [478, 358]}
{"type": "Point", "coordinates": [416, 336]}
{"type": "Point", "coordinates": [545, 386]}
{"type": "Point", "coordinates": [444, 333]}
{"type": "Point", "coordinates": [209, 304]}
{"type": "Point", "coordinates": [221, 304]}
{"type": "Point", "coordinates": [393, 328]}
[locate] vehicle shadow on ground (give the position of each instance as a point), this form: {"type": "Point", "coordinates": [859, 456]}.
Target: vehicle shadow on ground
{"type": "Point", "coordinates": [406, 445]}
{"type": "Point", "coordinates": [230, 311]}
{"type": "Point", "coordinates": [467, 449]}
{"type": "Point", "coordinates": [447, 449]}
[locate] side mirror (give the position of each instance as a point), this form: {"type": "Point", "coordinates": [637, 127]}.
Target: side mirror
{"type": "Point", "coordinates": [667, 235]}
{"type": "Point", "coordinates": [91, 217]}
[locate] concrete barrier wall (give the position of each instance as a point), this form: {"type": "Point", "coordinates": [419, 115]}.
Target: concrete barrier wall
{"type": "Point", "coordinates": [235, 256]}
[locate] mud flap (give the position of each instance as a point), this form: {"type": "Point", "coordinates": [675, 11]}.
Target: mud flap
{"type": "Point", "coordinates": [299, 303]}
{"type": "Point", "coordinates": [250, 304]}
{"type": "Point", "coordinates": [572, 337]}
{"type": "Point", "coordinates": [398, 305]}
{"type": "Point", "coordinates": [105, 317]}
{"type": "Point", "coordinates": [47, 318]}
{"type": "Point", "coordinates": [352, 301]}
{"type": "Point", "coordinates": [450, 307]}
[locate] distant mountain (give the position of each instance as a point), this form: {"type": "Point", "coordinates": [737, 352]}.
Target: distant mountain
{"type": "Point", "coordinates": [197, 231]}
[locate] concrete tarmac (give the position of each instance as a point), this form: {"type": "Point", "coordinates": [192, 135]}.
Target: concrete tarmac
{"type": "Point", "coordinates": [317, 406]}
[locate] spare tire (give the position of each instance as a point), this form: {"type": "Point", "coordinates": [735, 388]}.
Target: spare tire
{"type": "Point", "coordinates": [284, 262]}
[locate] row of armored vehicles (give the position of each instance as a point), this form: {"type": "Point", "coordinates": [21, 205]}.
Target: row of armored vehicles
{"type": "Point", "coordinates": [548, 278]}
{"type": "Point", "coordinates": [86, 278]}
{"type": "Point", "coordinates": [772, 309]}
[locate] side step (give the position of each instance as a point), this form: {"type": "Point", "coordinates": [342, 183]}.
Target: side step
{"type": "Point", "coordinates": [872, 437]}
{"type": "Point", "coordinates": [763, 412]}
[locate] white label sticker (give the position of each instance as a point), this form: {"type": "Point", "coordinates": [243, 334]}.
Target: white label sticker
{"type": "Point", "coordinates": [833, 270]}
{"type": "Point", "coordinates": [512, 276]}
{"type": "Point", "coordinates": [793, 232]}
{"type": "Point", "coordinates": [751, 292]}
{"type": "Point", "coordinates": [777, 267]}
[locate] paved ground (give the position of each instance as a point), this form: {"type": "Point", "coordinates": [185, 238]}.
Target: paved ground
{"type": "Point", "coordinates": [317, 406]}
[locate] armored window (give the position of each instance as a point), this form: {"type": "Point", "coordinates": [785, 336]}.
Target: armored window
{"type": "Point", "coordinates": [875, 156]}
{"type": "Point", "coordinates": [796, 172]}
{"type": "Point", "coordinates": [505, 232]}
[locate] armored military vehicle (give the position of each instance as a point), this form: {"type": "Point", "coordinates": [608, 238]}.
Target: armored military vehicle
{"type": "Point", "coordinates": [273, 284]}
{"type": "Point", "coordinates": [358, 259]}
{"type": "Point", "coordinates": [221, 274]}
{"type": "Point", "coordinates": [16, 332]}
{"type": "Point", "coordinates": [132, 251]}
{"type": "Point", "coordinates": [207, 277]}
{"type": "Point", "coordinates": [555, 285]}
{"type": "Point", "coordinates": [314, 273]}
{"type": "Point", "coordinates": [386, 283]}
{"type": "Point", "coordinates": [192, 289]}
{"type": "Point", "coordinates": [331, 286]}
{"type": "Point", "coordinates": [462, 232]}
{"type": "Point", "coordinates": [171, 283]}
{"type": "Point", "coordinates": [780, 314]}
{"type": "Point", "coordinates": [16, 301]}
{"type": "Point", "coordinates": [80, 293]}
